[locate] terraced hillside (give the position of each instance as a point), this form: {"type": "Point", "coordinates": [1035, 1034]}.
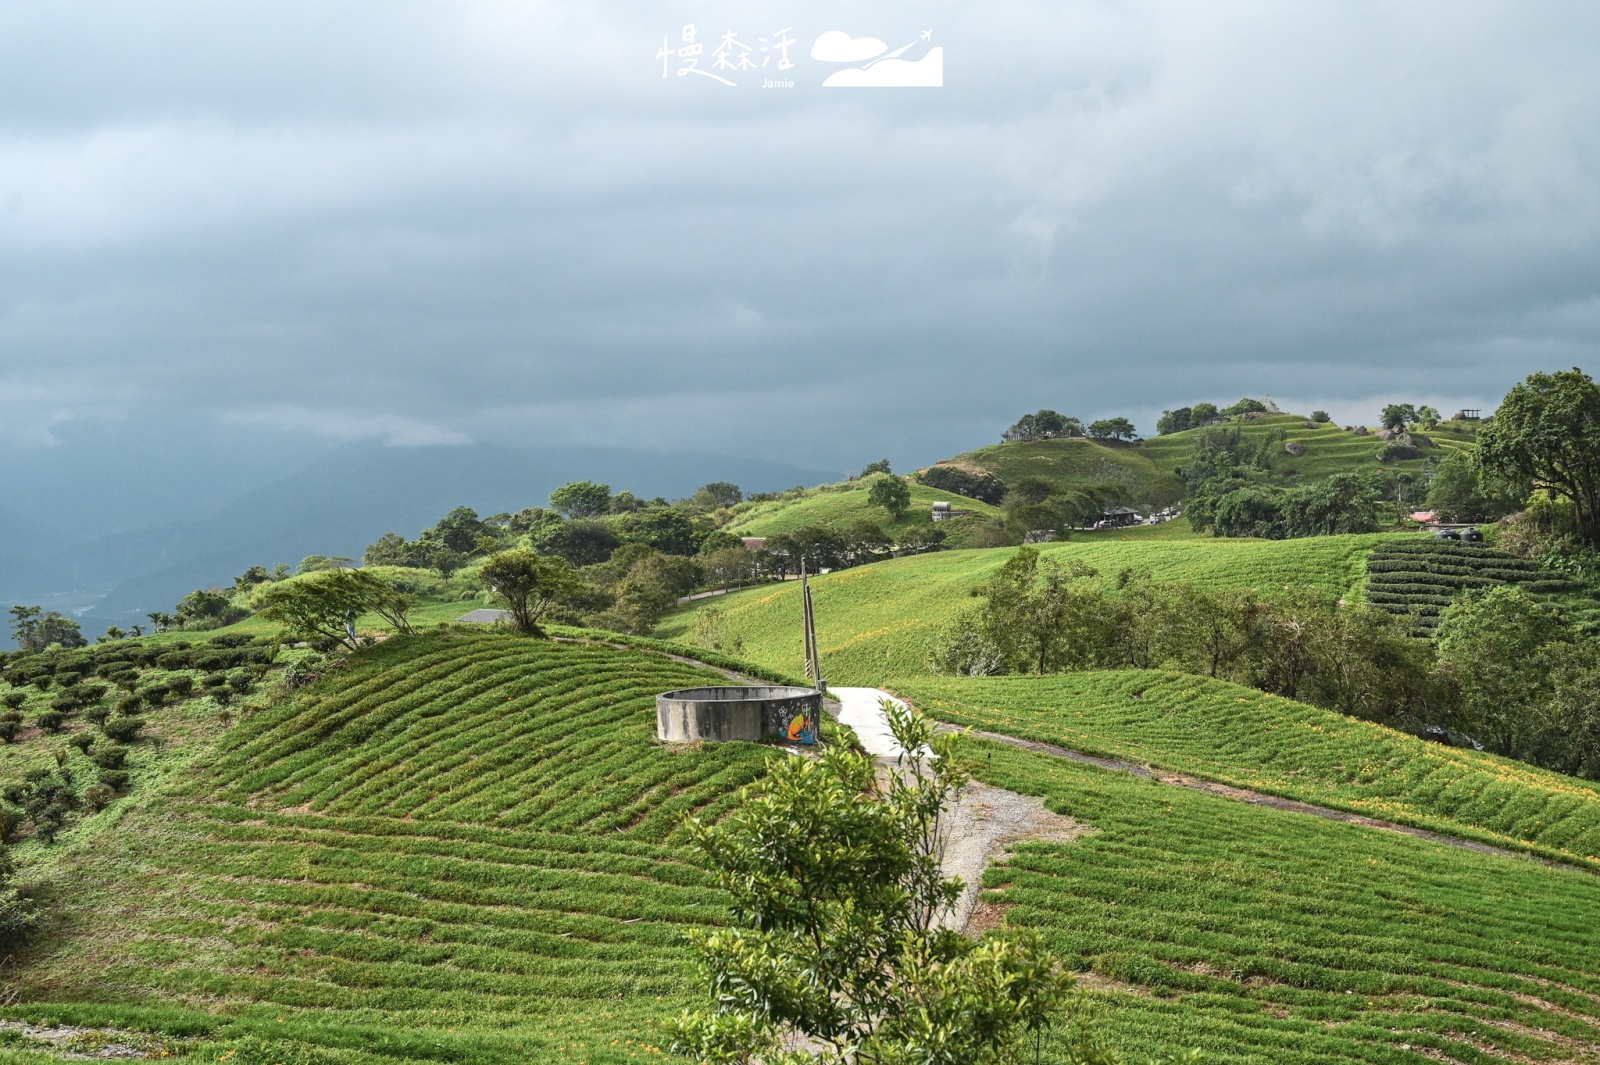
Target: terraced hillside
{"type": "Point", "coordinates": [1261, 936]}
{"type": "Point", "coordinates": [463, 848]}
{"type": "Point", "coordinates": [877, 621]}
{"type": "Point", "coordinates": [837, 507]}
{"type": "Point", "coordinates": [1217, 731]}
{"type": "Point", "coordinates": [1071, 463]}
{"type": "Point", "coordinates": [1420, 577]}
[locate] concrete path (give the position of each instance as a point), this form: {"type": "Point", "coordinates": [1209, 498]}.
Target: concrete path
{"type": "Point", "coordinates": [858, 708]}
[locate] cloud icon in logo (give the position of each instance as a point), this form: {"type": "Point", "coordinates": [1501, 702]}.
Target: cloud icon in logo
{"type": "Point", "coordinates": [837, 46]}
{"type": "Point", "coordinates": [891, 73]}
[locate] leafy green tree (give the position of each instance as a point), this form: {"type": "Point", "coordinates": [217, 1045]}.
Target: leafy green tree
{"type": "Point", "coordinates": [718, 494]}
{"type": "Point", "coordinates": [529, 584]}
{"type": "Point", "coordinates": [667, 529]}
{"type": "Point", "coordinates": [1427, 418]}
{"type": "Point", "coordinates": [1320, 417]}
{"type": "Point", "coordinates": [1112, 429]}
{"type": "Point", "coordinates": [1201, 413]}
{"type": "Point", "coordinates": [459, 530]}
{"type": "Point", "coordinates": [582, 499]}
{"type": "Point", "coordinates": [1040, 614]}
{"type": "Point", "coordinates": [437, 556]}
{"type": "Point", "coordinates": [1460, 492]}
{"type": "Point", "coordinates": [390, 549]}
{"type": "Point", "coordinates": [892, 494]}
{"type": "Point", "coordinates": [1043, 425]}
{"type": "Point", "coordinates": [729, 566]}
{"type": "Point", "coordinates": [1396, 416]}
{"type": "Point", "coordinates": [34, 629]}
{"type": "Point", "coordinates": [1341, 503]}
{"type": "Point", "coordinates": [1494, 644]}
{"type": "Point", "coordinates": [838, 890]}
{"type": "Point", "coordinates": [1546, 431]}
{"type": "Point", "coordinates": [881, 466]}
{"type": "Point", "coordinates": [324, 606]}
{"type": "Point", "coordinates": [582, 542]}
{"type": "Point", "coordinates": [1175, 421]}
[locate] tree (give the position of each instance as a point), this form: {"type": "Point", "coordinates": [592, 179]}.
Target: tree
{"type": "Point", "coordinates": [582, 542]}
{"type": "Point", "coordinates": [667, 529]}
{"type": "Point", "coordinates": [437, 556]}
{"type": "Point", "coordinates": [1245, 406]}
{"type": "Point", "coordinates": [323, 606]}
{"type": "Point", "coordinates": [974, 484]}
{"type": "Point", "coordinates": [1040, 614]}
{"type": "Point", "coordinates": [837, 886]}
{"type": "Point", "coordinates": [390, 549]}
{"type": "Point", "coordinates": [729, 565]}
{"type": "Point", "coordinates": [1342, 503]}
{"type": "Point", "coordinates": [1112, 429]}
{"type": "Point", "coordinates": [582, 499]}
{"type": "Point", "coordinates": [1201, 413]}
{"type": "Point", "coordinates": [1427, 418]}
{"type": "Point", "coordinates": [891, 493]}
{"type": "Point", "coordinates": [1175, 421]}
{"type": "Point", "coordinates": [1547, 431]}
{"type": "Point", "coordinates": [1320, 417]}
{"type": "Point", "coordinates": [529, 584]}
{"type": "Point", "coordinates": [1459, 492]}
{"type": "Point", "coordinates": [1396, 416]}
{"type": "Point", "coordinates": [1043, 425]}
{"type": "Point", "coordinates": [881, 466]}
{"type": "Point", "coordinates": [718, 494]}
{"type": "Point", "coordinates": [34, 629]}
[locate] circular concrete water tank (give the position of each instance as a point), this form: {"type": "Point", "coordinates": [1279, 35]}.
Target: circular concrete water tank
{"type": "Point", "coordinates": [738, 712]}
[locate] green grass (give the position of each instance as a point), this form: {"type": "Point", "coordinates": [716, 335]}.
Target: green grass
{"type": "Point", "coordinates": [878, 621]}
{"type": "Point", "coordinates": [1283, 939]}
{"type": "Point", "coordinates": [1234, 735]}
{"type": "Point", "coordinates": [464, 847]}
{"type": "Point", "coordinates": [1071, 463]}
{"type": "Point", "coordinates": [1329, 449]}
{"type": "Point", "coordinates": [837, 507]}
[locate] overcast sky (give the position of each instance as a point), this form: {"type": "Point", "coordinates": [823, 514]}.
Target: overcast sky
{"type": "Point", "coordinates": [448, 222]}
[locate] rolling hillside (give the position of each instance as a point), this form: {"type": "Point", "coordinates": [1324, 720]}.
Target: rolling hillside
{"type": "Point", "coordinates": [1146, 468]}
{"type": "Point", "coordinates": [837, 507]}
{"type": "Point", "coordinates": [1222, 732]}
{"type": "Point", "coordinates": [877, 621]}
{"type": "Point", "coordinates": [463, 848]}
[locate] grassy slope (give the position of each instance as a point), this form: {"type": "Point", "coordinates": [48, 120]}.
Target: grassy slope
{"type": "Point", "coordinates": [1071, 463]}
{"type": "Point", "coordinates": [1223, 732]}
{"type": "Point", "coordinates": [462, 848]}
{"type": "Point", "coordinates": [876, 621]}
{"type": "Point", "coordinates": [838, 509]}
{"type": "Point", "coordinates": [1329, 450]}
{"type": "Point", "coordinates": [1269, 937]}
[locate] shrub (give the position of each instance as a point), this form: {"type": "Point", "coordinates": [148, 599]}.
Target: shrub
{"type": "Point", "coordinates": [181, 685]}
{"type": "Point", "coordinates": [82, 740]}
{"type": "Point", "coordinates": [98, 796]}
{"type": "Point", "coordinates": [50, 720]}
{"type": "Point", "coordinates": [974, 484]}
{"type": "Point", "coordinates": [89, 693]}
{"type": "Point", "coordinates": [14, 700]}
{"type": "Point", "coordinates": [9, 730]}
{"type": "Point", "coordinates": [64, 704]}
{"type": "Point", "coordinates": [122, 729]}
{"type": "Point", "coordinates": [174, 660]}
{"type": "Point", "coordinates": [240, 681]}
{"type": "Point", "coordinates": [109, 757]}
{"type": "Point", "coordinates": [154, 694]}
{"type": "Point", "coordinates": [215, 680]}
{"type": "Point", "coordinates": [115, 779]}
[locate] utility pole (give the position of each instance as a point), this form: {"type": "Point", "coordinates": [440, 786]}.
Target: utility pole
{"type": "Point", "coordinates": [809, 623]}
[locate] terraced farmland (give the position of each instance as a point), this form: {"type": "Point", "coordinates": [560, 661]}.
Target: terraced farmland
{"type": "Point", "coordinates": [878, 621]}
{"type": "Point", "coordinates": [837, 507]}
{"type": "Point", "coordinates": [463, 848]}
{"type": "Point", "coordinates": [1262, 936]}
{"type": "Point", "coordinates": [1234, 735]}
{"type": "Point", "coordinates": [1420, 577]}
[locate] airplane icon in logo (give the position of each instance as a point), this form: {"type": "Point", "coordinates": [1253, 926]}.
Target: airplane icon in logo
{"type": "Point", "coordinates": [927, 35]}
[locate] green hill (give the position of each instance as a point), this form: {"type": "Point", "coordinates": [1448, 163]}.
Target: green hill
{"type": "Point", "coordinates": [1234, 735]}
{"type": "Point", "coordinates": [1262, 936]}
{"type": "Point", "coordinates": [1423, 577]}
{"type": "Point", "coordinates": [877, 621]}
{"type": "Point", "coordinates": [461, 848]}
{"type": "Point", "coordinates": [1146, 468]}
{"type": "Point", "coordinates": [837, 507]}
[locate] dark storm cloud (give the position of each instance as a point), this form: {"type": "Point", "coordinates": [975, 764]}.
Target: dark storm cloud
{"type": "Point", "coordinates": [434, 223]}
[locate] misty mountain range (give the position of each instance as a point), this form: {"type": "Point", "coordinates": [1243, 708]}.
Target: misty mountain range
{"type": "Point", "coordinates": [79, 561]}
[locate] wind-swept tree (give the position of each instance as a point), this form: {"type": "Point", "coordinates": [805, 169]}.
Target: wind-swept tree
{"type": "Point", "coordinates": [529, 584]}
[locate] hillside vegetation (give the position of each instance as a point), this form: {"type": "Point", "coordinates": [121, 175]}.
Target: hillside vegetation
{"type": "Point", "coordinates": [1263, 936]}
{"type": "Point", "coordinates": [1222, 732]}
{"type": "Point", "coordinates": [837, 507]}
{"type": "Point", "coordinates": [463, 847]}
{"type": "Point", "coordinates": [1423, 577]}
{"type": "Point", "coordinates": [879, 620]}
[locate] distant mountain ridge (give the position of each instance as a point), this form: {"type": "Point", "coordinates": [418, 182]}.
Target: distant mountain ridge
{"type": "Point", "coordinates": [335, 505]}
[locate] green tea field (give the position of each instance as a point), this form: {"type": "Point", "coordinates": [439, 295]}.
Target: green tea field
{"type": "Point", "coordinates": [1266, 937]}
{"type": "Point", "coordinates": [464, 848]}
{"type": "Point", "coordinates": [1222, 732]}
{"type": "Point", "coordinates": [878, 621]}
{"type": "Point", "coordinates": [837, 507]}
